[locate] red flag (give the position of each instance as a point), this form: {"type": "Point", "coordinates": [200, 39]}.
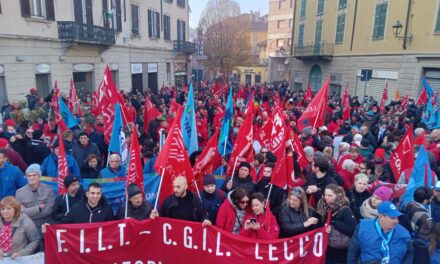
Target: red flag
{"type": "Point", "coordinates": [423, 97]}
{"type": "Point", "coordinates": [62, 161]}
{"type": "Point", "coordinates": [384, 97]}
{"type": "Point", "coordinates": [297, 147]}
{"type": "Point", "coordinates": [309, 94]}
{"type": "Point", "coordinates": [174, 106]}
{"type": "Point", "coordinates": [73, 98]}
{"type": "Point", "coordinates": [279, 136]}
{"type": "Point", "coordinates": [55, 94]}
{"type": "Point", "coordinates": [314, 114]}
{"type": "Point", "coordinates": [150, 113]}
{"type": "Point", "coordinates": [403, 156]}
{"type": "Point", "coordinates": [397, 95]}
{"type": "Point", "coordinates": [263, 136]}
{"type": "Point", "coordinates": [243, 145]}
{"type": "Point", "coordinates": [135, 174]}
{"type": "Point", "coordinates": [173, 160]}
{"type": "Point", "coordinates": [421, 139]}
{"type": "Point", "coordinates": [404, 104]}
{"type": "Point", "coordinates": [208, 160]}
{"type": "Point", "coordinates": [345, 103]}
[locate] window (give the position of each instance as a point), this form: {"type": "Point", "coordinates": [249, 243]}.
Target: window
{"type": "Point", "coordinates": [301, 36]}
{"type": "Point", "coordinates": [43, 83]}
{"type": "Point", "coordinates": [181, 28]}
{"type": "Point", "coordinates": [281, 24]}
{"type": "Point", "coordinates": [105, 14]}
{"type": "Point", "coordinates": [280, 43]}
{"type": "Point", "coordinates": [379, 21]}
{"type": "Point", "coordinates": [181, 3]}
{"type": "Point", "coordinates": [153, 24]}
{"type": "Point", "coordinates": [135, 20]}
{"type": "Point", "coordinates": [437, 25]}
{"type": "Point", "coordinates": [168, 70]}
{"type": "Point", "coordinates": [115, 77]}
{"type": "Point", "coordinates": [342, 4]}
{"type": "Point", "coordinates": [303, 9]}
{"type": "Point", "coordinates": [340, 26]}
{"type": "Point", "coordinates": [167, 27]}
{"type": "Point", "coordinates": [320, 7]}
{"type": "Point", "coordinates": [257, 78]}
{"type": "Point", "coordinates": [38, 8]}
{"type": "Point", "coordinates": [116, 5]}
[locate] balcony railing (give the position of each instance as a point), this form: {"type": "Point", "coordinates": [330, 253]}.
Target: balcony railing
{"type": "Point", "coordinates": [71, 31]}
{"type": "Point", "coordinates": [184, 46]}
{"type": "Point", "coordinates": [316, 51]}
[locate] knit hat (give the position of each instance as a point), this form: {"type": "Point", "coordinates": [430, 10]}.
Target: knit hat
{"type": "Point", "coordinates": [132, 190]}
{"type": "Point", "coordinates": [3, 142]}
{"type": "Point", "coordinates": [34, 168]}
{"type": "Point", "coordinates": [384, 193]}
{"type": "Point", "coordinates": [244, 164]}
{"type": "Point", "coordinates": [69, 180]}
{"type": "Point", "coordinates": [9, 122]}
{"type": "Point", "coordinates": [37, 134]}
{"type": "Point", "coordinates": [209, 179]}
{"type": "Point", "coordinates": [380, 153]}
{"type": "Point", "coordinates": [365, 143]}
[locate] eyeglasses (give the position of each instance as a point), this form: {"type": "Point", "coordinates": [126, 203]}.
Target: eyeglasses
{"type": "Point", "coordinates": [244, 202]}
{"type": "Point", "coordinates": [362, 168]}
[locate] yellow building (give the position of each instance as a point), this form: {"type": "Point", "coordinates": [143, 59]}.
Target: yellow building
{"type": "Point", "coordinates": [251, 75]}
{"type": "Point", "coordinates": [366, 43]}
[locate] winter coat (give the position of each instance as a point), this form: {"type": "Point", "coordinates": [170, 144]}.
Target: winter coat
{"type": "Point", "coordinates": [11, 179]}
{"type": "Point", "coordinates": [227, 215]}
{"type": "Point", "coordinates": [82, 213]}
{"type": "Point", "coordinates": [269, 228]}
{"type": "Point", "coordinates": [60, 207]}
{"type": "Point", "coordinates": [31, 200]}
{"type": "Point", "coordinates": [365, 245]}
{"type": "Point", "coordinates": [80, 153]}
{"type": "Point", "coordinates": [320, 183]}
{"type": "Point", "coordinates": [277, 195]}
{"type": "Point", "coordinates": [435, 210]}
{"type": "Point", "coordinates": [140, 213]}
{"type": "Point", "coordinates": [345, 222]}
{"type": "Point", "coordinates": [292, 222]}
{"type": "Point", "coordinates": [149, 166]}
{"type": "Point", "coordinates": [356, 200]}
{"type": "Point", "coordinates": [198, 212]}
{"type": "Point", "coordinates": [50, 166]}
{"type": "Point", "coordinates": [212, 203]}
{"type": "Point", "coordinates": [109, 173]}
{"type": "Point", "coordinates": [15, 159]}
{"type": "Point", "coordinates": [245, 183]}
{"type": "Point", "coordinates": [25, 235]}
{"type": "Point", "coordinates": [36, 152]}
{"type": "Point", "coordinates": [88, 172]}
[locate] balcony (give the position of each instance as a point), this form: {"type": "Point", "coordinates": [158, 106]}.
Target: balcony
{"type": "Point", "coordinates": [184, 46]}
{"type": "Point", "coordinates": [317, 51]}
{"type": "Point", "coordinates": [85, 33]}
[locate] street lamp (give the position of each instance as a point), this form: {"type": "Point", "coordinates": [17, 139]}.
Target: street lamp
{"type": "Point", "coordinates": [397, 28]}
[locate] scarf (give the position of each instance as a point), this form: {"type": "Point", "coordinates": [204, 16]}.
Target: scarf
{"type": "Point", "coordinates": [6, 237]}
{"type": "Point", "coordinates": [323, 207]}
{"type": "Point", "coordinates": [386, 238]}
{"type": "Point", "coordinates": [367, 210]}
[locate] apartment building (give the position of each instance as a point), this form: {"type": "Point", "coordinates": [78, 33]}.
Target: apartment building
{"type": "Point", "coordinates": [145, 43]}
{"type": "Point", "coordinates": [366, 43]}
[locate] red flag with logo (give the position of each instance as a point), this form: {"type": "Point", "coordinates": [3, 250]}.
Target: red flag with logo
{"type": "Point", "coordinates": [135, 174]}
{"type": "Point", "coordinates": [404, 104]}
{"type": "Point", "coordinates": [264, 134]}
{"type": "Point", "coordinates": [314, 115]}
{"type": "Point", "coordinates": [279, 136]}
{"type": "Point", "coordinates": [243, 145]}
{"type": "Point", "coordinates": [62, 161]}
{"type": "Point", "coordinates": [173, 160]}
{"type": "Point", "coordinates": [403, 156]}
{"type": "Point", "coordinates": [423, 97]}
{"type": "Point", "coordinates": [208, 160]}
{"type": "Point", "coordinates": [150, 112]}
{"type": "Point", "coordinates": [384, 97]}
{"type": "Point", "coordinates": [297, 147]}
{"type": "Point", "coordinates": [345, 103]}
{"type": "Point", "coordinates": [309, 94]}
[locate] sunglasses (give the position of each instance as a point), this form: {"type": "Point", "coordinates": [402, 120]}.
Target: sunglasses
{"type": "Point", "coordinates": [244, 202]}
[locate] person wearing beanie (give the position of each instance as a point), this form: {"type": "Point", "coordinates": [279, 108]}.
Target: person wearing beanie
{"type": "Point", "coordinates": [63, 203]}
{"type": "Point", "coordinates": [36, 150]}
{"type": "Point", "coordinates": [50, 164]}
{"type": "Point", "coordinates": [37, 199]}
{"type": "Point", "coordinates": [379, 156]}
{"type": "Point", "coordinates": [138, 208]}
{"type": "Point", "coordinates": [221, 170]}
{"type": "Point", "coordinates": [11, 178]}
{"type": "Point", "coordinates": [212, 198]}
{"type": "Point", "coordinates": [277, 196]}
{"type": "Point", "coordinates": [241, 179]}
{"type": "Point", "coordinates": [369, 207]}
{"type": "Point", "coordinates": [83, 148]}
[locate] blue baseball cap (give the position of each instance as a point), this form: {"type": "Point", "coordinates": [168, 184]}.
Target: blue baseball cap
{"type": "Point", "coordinates": [388, 209]}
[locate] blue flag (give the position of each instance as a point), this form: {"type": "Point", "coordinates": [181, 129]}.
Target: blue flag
{"type": "Point", "coordinates": [428, 88]}
{"type": "Point", "coordinates": [68, 118]}
{"type": "Point", "coordinates": [117, 140]}
{"type": "Point", "coordinates": [224, 143]}
{"type": "Point", "coordinates": [188, 123]}
{"type": "Point", "coordinates": [421, 176]}
{"type": "Point", "coordinates": [430, 116]}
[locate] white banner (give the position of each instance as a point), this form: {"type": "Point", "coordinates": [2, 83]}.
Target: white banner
{"type": "Point", "coordinates": [34, 259]}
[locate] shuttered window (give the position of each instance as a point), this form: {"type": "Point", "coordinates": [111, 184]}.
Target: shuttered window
{"type": "Point", "coordinates": [153, 24]}
{"type": "Point", "coordinates": [380, 21]}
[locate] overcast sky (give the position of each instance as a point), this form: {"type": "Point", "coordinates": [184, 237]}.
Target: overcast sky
{"type": "Point", "coordinates": [197, 7]}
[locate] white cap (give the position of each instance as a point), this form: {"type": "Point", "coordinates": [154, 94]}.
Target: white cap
{"type": "Point", "coordinates": [323, 128]}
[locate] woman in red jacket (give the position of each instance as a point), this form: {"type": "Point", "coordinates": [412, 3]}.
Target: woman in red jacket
{"type": "Point", "coordinates": [232, 212]}
{"type": "Point", "coordinates": [260, 224]}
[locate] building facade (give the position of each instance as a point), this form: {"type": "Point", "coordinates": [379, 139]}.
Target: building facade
{"type": "Point", "coordinates": [363, 44]}
{"type": "Point", "coordinates": [279, 38]}
{"type": "Point", "coordinates": [143, 42]}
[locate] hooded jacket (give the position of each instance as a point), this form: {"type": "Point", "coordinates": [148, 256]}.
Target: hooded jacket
{"type": "Point", "coordinates": [50, 166]}
{"type": "Point", "coordinates": [245, 183]}
{"type": "Point", "coordinates": [227, 215]}
{"type": "Point", "coordinates": [81, 212]}
{"type": "Point", "coordinates": [269, 228]}
{"type": "Point", "coordinates": [198, 212]}
{"type": "Point", "coordinates": [80, 152]}
{"type": "Point", "coordinates": [11, 179]}
{"type": "Point", "coordinates": [60, 206]}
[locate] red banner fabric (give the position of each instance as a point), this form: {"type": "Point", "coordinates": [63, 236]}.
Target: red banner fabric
{"type": "Point", "coordinates": [403, 156]}
{"type": "Point", "coordinates": [165, 240]}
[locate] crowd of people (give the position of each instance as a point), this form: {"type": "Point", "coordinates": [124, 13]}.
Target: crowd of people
{"type": "Point", "coordinates": [347, 176]}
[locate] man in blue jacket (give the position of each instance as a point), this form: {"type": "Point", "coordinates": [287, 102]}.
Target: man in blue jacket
{"type": "Point", "coordinates": [11, 178]}
{"type": "Point", "coordinates": [114, 168]}
{"type": "Point", "coordinates": [381, 240]}
{"type": "Point", "coordinates": [50, 164]}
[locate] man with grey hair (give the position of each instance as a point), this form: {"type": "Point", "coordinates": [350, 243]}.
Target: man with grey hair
{"type": "Point", "coordinates": [114, 168]}
{"type": "Point", "coordinates": [368, 135]}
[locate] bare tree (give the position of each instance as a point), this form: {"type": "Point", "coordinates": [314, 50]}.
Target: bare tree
{"type": "Point", "coordinates": [226, 36]}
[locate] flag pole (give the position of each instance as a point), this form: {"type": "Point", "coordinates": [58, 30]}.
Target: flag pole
{"type": "Point", "coordinates": [268, 194]}
{"type": "Point", "coordinates": [197, 189]}
{"type": "Point", "coordinates": [67, 203]}
{"type": "Point", "coordinates": [316, 119]}
{"type": "Point", "coordinates": [158, 191]}
{"type": "Point", "coordinates": [126, 203]}
{"type": "Point", "coordinates": [233, 171]}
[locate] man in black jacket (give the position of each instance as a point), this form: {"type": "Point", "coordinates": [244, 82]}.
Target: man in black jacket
{"type": "Point", "coordinates": [242, 179]}
{"type": "Point", "coordinates": [182, 205]}
{"type": "Point", "coordinates": [277, 195]}
{"type": "Point", "coordinates": [138, 208]}
{"type": "Point", "coordinates": [91, 209]}
{"type": "Point", "coordinates": [318, 179]}
{"type": "Point", "coordinates": [63, 203]}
